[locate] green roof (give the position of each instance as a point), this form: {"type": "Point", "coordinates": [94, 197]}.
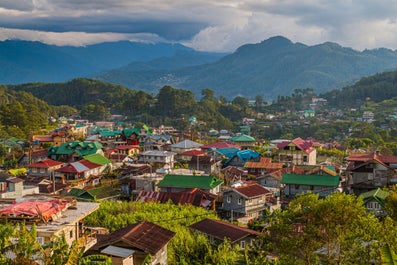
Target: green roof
{"type": "Point", "coordinates": [190, 181]}
{"type": "Point", "coordinates": [82, 148]}
{"type": "Point", "coordinates": [110, 133]}
{"type": "Point", "coordinates": [94, 194]}
{"type": "Point", "coordinates": [312, 180]}
{"type": "Point", "coordinates": [128, 132]}
{"type": "Point", "coordinates": [378, 194]}
{"type": "Point", "coordinates": [97, 159]}
{"type": "Point", "coordinates": [243, 138]}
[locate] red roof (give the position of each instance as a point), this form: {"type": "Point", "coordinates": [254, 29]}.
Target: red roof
{"type": "Point", "coordinates": [89, 164]}
{"type": "Point", "coordinates": [34, 209]}
{"type": "Point", "coordinates": [145, 236]}
{"type": "Point", "coordinates": [47, 163]}
{"type": "Point", "coordinates": [221, 230]}
{"type": "Point", "coordinates": [303, 145]}
{"type": "Point", "coordinates": [251, 191]}
{"type": "Point", "coordinates": [219, 145]}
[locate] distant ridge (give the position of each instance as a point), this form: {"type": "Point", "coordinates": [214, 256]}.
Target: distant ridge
{"type": "Point", "coordinates": [273, 67]}
{"type": "Point", "coordinates": [28, 61]}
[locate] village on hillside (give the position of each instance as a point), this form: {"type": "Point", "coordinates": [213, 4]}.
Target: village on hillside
{"type": "Point", "coordinates": [60, 180]}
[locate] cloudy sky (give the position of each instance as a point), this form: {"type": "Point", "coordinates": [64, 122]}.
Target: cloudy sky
{"type": "Point", "coordinates": [221, 25]}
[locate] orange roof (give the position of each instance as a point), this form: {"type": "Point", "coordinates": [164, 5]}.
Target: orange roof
{"type": "Point", "coordinates": [263, 163]}
{"type": "Point", "coordinates": [42, 138]}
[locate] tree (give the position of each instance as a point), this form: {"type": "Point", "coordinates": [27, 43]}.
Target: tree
{"type": "Point", "coordinates": [334, 230]}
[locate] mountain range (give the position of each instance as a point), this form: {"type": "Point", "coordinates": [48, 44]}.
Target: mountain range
{"type": "Point", "coordinates": [27, 61]}
{"type": "Point", "coordinates": [273, 67]}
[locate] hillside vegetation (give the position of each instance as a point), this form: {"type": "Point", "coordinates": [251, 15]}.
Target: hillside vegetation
{"type": "Point", "coordinates": [274, 67]}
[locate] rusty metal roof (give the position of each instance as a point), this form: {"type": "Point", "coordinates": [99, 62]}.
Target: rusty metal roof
{"type": "Point", "coordinates": [221, 230]}
{"type": "Point", "coordinates": [195, 197]}
{"type": "Point", "coordinates": [145, 236]}
{"type": "Point", "coordinates": [251, 190]}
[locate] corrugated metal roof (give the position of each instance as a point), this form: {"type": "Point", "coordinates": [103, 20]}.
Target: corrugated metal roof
{"type": "Point", "coordinates": [251, 191]}
{"type": "Point", "coordinates": [189, 181]}
{"type": "Point", "coordinates": [312, 180]}
{"type": "Point", "coordinates": [186, 144]}
{"type": "Point", "coordinates": [117, 251]}
{"type": "Point", "coordinates": [145, 236]}
{"type": "Point", "coordinates": [222, 230]}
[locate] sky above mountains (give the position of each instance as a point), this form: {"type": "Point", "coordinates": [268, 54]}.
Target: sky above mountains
{"type": "Point", "coordinates": [221, 25]}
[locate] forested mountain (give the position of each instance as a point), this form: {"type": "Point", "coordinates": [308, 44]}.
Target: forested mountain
{"type": "Point", "coordinates": [26, 61]}
{"type": "Point", "coordinates": [21, 113]}
{"type": "Point", "coordinates": [273, 67]}
{"type": "Point", "coordinates": [376, 88]}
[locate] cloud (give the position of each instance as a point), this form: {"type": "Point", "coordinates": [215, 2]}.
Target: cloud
{"type": "Point", "coordinates": [221, 25]}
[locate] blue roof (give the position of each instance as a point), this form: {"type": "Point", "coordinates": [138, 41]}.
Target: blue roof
{"type": "Point", "coordinates": [228, 152]}
{"type": "Point", "coordinates": [244, 155]}
{"type": "Point", "coordinates": [247, 154]}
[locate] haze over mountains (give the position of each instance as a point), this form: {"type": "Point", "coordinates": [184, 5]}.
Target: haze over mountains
{"type": "Point", "coordinates": [275, 66]}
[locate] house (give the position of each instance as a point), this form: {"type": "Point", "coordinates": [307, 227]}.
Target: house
{"type": "Point", "coordinates": [188, 155]}
{"type": "Point", "coordinates": [207, 164]}
{"type": "Point", "coordinates": [134, 243]}
{"type": "Point", "coordinates": [181, 183]}
{"type": "Point", "coordinates": [73, 151]}
{"type": "Point", "coordinates": [131, 136]}
{"type": "Point", "coordinates": [14, 187]}
{"type": "Point", "coordinates": [246, 202]}
{"type": "Point", "coordinates": [309, 113]}
{"type": "Point", "coordinates": [53, 217]}
{"type": "Point", "coordinates": [374, 201]}
{"type": "Point", "coordinates": [296, 152]}
{"type": "Point", "coordinates": [241, 157]}
{"type": "Point", "coordinates": [233, 174]}
{"type": "Point", "coordinates": [366, 172]}
{"type": "Point", "coordinates": [82, 173]}
{"type": "Point", "coordinates": [261, 167]}
{"type": "Point", "coordinates": [243, 140]}
{"type": "Point", "coordinates": [157, 158]}
{"type": "Point", "coordinates": [47, 186]}
{"type": "Point", "coordinates": [183, 146]}
{"type": "Point", "coordinates": [217, 231]}
{"type": "Point", "coordinates": [196, 197]}
{"type": "Point", "coordinates": [301, 183]}
{"type": "Point", "coordinates": [156, 141]}
{"type": "Point", "coordinates": [56, 138]}
{"type": "Point", "coordinates": [33, 156]}
{"type": "Point", "coordinates": [44, 167]}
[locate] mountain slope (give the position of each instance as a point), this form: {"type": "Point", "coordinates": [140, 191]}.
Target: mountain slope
{"type": "Point", "coordinates": [25, 61]}
{"type": "Point", "coordinates": [273, 67]}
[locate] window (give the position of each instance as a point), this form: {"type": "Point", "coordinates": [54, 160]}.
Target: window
{"type": "Point", "coordinates": [250, 201]}
{"type": "Point", "coordinates": [242, 244]}
{"type": "Point", "coordinates": [240, 201]}
{"type": "Point", "coordinates": [229, 199]}
{"type": "Point", "coordinates": [71, 233]}
{"type": "Point", "coordinates": [296, 186]}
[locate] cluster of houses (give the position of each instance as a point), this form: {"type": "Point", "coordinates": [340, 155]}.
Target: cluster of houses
{"type": "Point", "coordinates": [227, 176]}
